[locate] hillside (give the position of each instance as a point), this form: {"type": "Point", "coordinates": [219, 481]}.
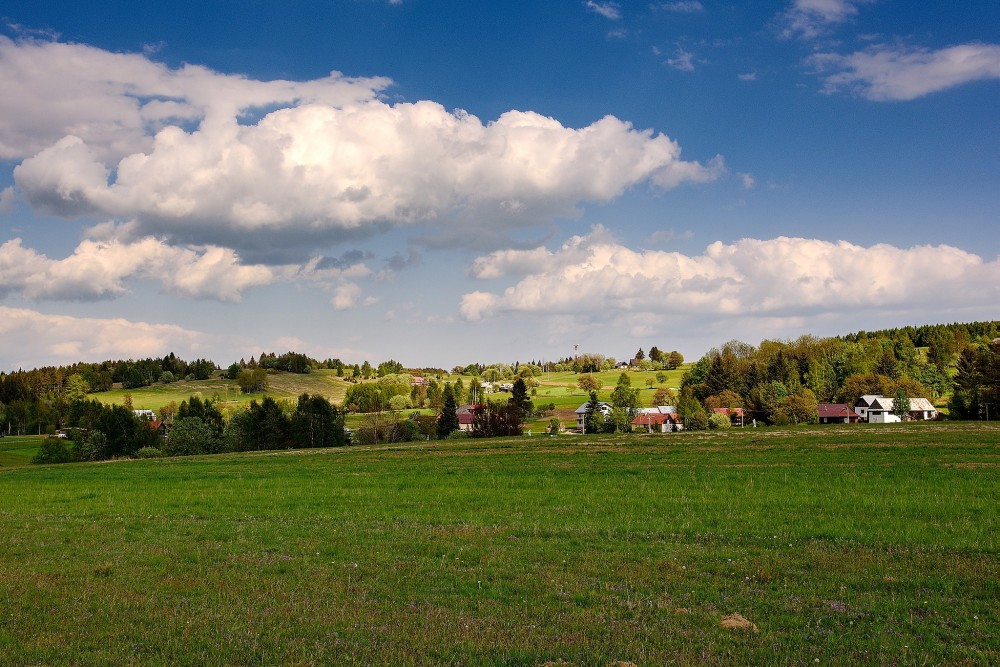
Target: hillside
{"type": "Point", "coordinates": [281, 385]}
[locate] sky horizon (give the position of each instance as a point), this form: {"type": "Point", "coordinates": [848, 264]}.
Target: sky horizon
{"type": "Point", "coordinates": [447, 182]}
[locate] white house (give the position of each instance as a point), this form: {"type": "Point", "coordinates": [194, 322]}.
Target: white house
{"type": "Point", "coordinates": [581, 412]}
{"type": "Point", "coordinates": [877, 409]}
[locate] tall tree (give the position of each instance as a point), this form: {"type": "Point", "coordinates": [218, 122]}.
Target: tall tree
{"type": "Point", "coordinates": [593, 418]}
{"type": "Point", "coordinates": [448, 417]}
{"type": "Point", "coordinates": [624, 396]}
{"type": "Point", "coordinates": [901, 405]}
{"type": "Point", "coordinates": [519, 400]}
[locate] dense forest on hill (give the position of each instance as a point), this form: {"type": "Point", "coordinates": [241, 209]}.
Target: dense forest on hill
{"type": "Point", "coordinates": [784, 381]}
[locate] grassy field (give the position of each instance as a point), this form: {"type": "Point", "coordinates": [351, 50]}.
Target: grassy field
{"type": "Point", "coordinates": [281, 385]}
{"type": "Point", "coordinates": [843, 545]}
{"type": "Point", "coordinates": [17, 450]}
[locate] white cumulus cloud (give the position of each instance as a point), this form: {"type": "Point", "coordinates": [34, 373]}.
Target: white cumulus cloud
{"type": "Point", "coordinates": [904, 73]}
{"type": "Point", "coordinates": [781, 277]}
{"type": "Point", "coordinates": [103, 268]}
{"type": "Point", "coordinates": [27, 336]}
{"type": "Point", "coordinates": [180, 151]}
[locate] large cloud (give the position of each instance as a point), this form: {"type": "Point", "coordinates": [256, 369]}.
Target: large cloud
{"type": "Point", "coordinates": [103, 268]}
{"type": "Point", "coordinates": [782, 277]}
{"type": "Point", "coordinates": [901, 73]}
{"type": "Point", "coordinates": [112, 101]}
{"type": "Point", "coordinates": [27, 336]}
{"type": "Point", "coordinates": [331, 161]}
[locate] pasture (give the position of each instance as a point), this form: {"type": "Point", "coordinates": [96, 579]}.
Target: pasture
{"type": "Point", "coordinates": [281, 385]}
{"type": "Point", "coordinates": [841, 545]}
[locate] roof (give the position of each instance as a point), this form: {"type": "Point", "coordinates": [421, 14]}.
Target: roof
{"type": "Point", "coordinates": [866, 400]}
{"type": "Point", "coordinates": [827, 410]}
{"type": "Point", "coordinates": [885, 403]}
{"type": "Point", "coordinates": [655, 418]}
{"type": "Point", "coordinates": [604, 407]}
{"type": "Point", "coordinates": [658, 410]}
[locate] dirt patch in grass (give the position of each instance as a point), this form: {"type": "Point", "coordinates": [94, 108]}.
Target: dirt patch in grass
{"type": "Point", "coordinates": [736, 621]}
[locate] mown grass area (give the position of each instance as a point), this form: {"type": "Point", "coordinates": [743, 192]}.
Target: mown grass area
{"type": "Point", "coordinates": [18, 450]}
{"type": "Point", "coordinates": [846, 545]}
{"type": "Point", "coordinates": [281, 385]}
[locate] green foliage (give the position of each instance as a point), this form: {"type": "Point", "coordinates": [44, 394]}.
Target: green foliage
{"type": "Point", "coordinates": [588, 382]}
{"type": "Point", "coordinates": [53, 450]}
{"type": "Point", "coordinates": [624, 397]}
{"type": "Point", "coordinates": [93, 447]}
{"type": "Point", "coordinates": [496, 419]}
{"type": "Point", "coordinates": [149, 453]}
{"type": "Point", "coordinates": [191, 435]}
{"type": "Point", "coordinates": [593, 419]}
{"type": "Point", "coordinates": [252, 380]}
{"type": "Point", "coordinates": [718, 422]}
{"type": "Point", "coordinates": [519, 400]}
{"type": "Point", "coordinates": [447, 419]}
{"type": "Point", "coordinates": [317, 423]}
{"type": "Point", "coordinates": [901, 405]}
{"type": "Point", "coordinates": [399, 403]}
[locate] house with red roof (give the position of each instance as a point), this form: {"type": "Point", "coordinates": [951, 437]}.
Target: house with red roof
{"type": "Point", "coordinates": [837, 413]}
{"type": "Point", "coordinates": [735, 414]}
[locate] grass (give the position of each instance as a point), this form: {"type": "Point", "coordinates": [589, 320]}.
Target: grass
{"type": "Point", "coordinates": [847, 545]}
{"type": "Point", "coordinates": [17, 450]}
{"type": "Point", "coordinates": [281, 385]}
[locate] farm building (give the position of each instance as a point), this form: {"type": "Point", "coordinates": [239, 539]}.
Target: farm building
{"type": "Point", "coordinates": [876, 409]}
{"type": "Point", "coordinates": [661, 419]}
{"type": "Point", "coordinates": [837, 413]}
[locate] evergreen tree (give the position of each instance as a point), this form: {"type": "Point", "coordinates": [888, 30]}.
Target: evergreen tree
{"type": "Point", "coordinates": [448, 417]}
{"type": "Point", "coordinates": [593, 419]}
{"type": "Point", "coordinates": [519, 400]}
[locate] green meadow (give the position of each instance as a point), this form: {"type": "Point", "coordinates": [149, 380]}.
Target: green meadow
{"type": "Point", "coordinates": [281, 385]}
{"type": "Point", "coordinates": [841, 545]}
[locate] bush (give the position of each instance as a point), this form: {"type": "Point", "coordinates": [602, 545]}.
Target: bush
{"type": "Point", "coordinates": [167, 377]}
{"type": "Point", "coordinates": [718, 422]}
{"type": "Point", "coordinates": [53, 450]}
{"type": "Point", "coordinates": [696, 420]}
{"type": "Point", "coordinates": [399, 403]}
{"type": "Point", "coordinates": [149, 453]}
{"type": "Point", "coordinates": [458, 435]}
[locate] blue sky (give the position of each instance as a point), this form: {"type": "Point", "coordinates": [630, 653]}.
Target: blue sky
{"type": "Point", "coordinates": [446, 182]}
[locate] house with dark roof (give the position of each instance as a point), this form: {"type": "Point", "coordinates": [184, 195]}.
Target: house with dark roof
{"type": "Point", "coordinates": [465, 415]}
{"type": "Point", "coordinates": [837, 413]}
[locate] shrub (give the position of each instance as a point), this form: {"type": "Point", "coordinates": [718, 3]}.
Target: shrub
{"type": "Point", "coordinates": [696, 420]}
{"type": "Point", "coordinates": [717, 422]}
{"type": "Point", "coordinates": [149, 453]}
{"type": "Point", "coordinates": [398, 403]}
{"type": "Point", "coordinates": [53, 450]}
{"type": "Point", "coordinates": [458, 435]}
